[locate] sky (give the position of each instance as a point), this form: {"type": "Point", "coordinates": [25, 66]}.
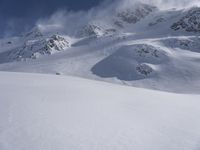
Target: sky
{"type": "Point", "coordinates": [16, 15]}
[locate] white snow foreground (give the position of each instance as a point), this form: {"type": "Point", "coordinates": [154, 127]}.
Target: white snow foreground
{"type": "Point", "coordinates": [45, 112]}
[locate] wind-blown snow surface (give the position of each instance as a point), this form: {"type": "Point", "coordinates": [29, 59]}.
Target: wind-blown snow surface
{"type": "Point", "coordinates": [40, 112]}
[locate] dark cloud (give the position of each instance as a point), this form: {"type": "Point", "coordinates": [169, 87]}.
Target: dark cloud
{"type": "Point", "coordinates": [17, 15]}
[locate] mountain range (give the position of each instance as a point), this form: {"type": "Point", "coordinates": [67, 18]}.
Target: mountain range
{"type": "Point", "coordinates": [140, 46]}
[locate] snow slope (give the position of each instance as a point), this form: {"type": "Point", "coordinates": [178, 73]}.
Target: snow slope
{"type": "Point", "coordinates": [40, 112]}
{"type": "Point", "coordinates": [116, 60]}
{"type": "Point", "coordinates": [155, 49]}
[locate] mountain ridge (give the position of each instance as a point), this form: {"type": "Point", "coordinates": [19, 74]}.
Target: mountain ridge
{"type": "Point", "coordinates": [100, 41]}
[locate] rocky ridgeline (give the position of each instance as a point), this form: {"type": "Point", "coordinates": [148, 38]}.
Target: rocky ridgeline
{"type": "Point", "coordinates": [191, 43]}
{"type": "Point", "coordinates": [35, 48]}
{"type": "Point", "coordinates": [34, 33]}
{"type": "Point", "coordinates": [119, 20]}
{"type": "Point", "coordinates": [132, 16]}
{"type": "Point", "coordinates": [190, 22]}
{"type": "Point", "coordinates": [95, 31]}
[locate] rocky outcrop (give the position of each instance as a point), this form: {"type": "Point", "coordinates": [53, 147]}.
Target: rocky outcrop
{"type": "Point", "coordinates": [132, 16]}
{"type": "Point", "coordinates": [131, 62]}
{"type": "Point", "coordinates": [191, 43]}
{"type": "Point", "coordinates": [33, 34]}
{"type": "Point", "coordinates": [35, 48]}
{"type": "Point", "coordinates": [190, 22]}
{"type": "Point", "coordinates": [93, 30]}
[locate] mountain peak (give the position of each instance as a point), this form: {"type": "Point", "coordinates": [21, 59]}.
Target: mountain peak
{"type": "Point", "coordinates": [35, 32]}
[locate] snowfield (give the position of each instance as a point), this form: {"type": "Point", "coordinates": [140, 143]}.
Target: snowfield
{"type": "Point", "coordinates": [140, 46]}
{"type": "Point", "coordinates": [49, 112]}
{"type": "Point", "coordinates": [128, 55]}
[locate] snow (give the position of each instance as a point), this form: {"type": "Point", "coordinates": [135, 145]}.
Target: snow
{"type": "Point", "coordinates": [34, 48]}
{"type": "Point", "coordinates": [175, 70]}
{"type": "Point", "coordinates": [126, 63]}
{"type": "Point", "coordinates": [40, 112]}
{"type": "Point", "coordinates": [106, 52]}
{"type": "Point", "coordinates": [190, 22]}
{"type": "Point", "coordinates": [185, 43]}
{"type": "Point", "coordinates": [147, 49]}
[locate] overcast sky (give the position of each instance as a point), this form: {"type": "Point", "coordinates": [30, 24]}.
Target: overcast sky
{"type": "Point", "coordinates": [16, 15]}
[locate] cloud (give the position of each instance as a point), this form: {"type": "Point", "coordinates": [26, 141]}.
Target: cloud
{"type": "Point", "coordinates": [27, 12]}
{"type": "Point", "coordinates": [70, 21]}
{"type": "Point", "coordinates": [166, 4]}
{"type": "Point", "coordinates": [66, 21]}
{"type": "Point", "coordinates": [161, 4]}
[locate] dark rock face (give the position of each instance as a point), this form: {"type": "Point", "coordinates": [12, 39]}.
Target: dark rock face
{"type": "Point", "coordinates": [191, 44]}
{"type": "Point", "coordinates": [56, 42]}
{"type": "Point", "coordinates": [119, 19]}
{"type": "Point", "coordinates": [157, 21]}
{"type": "Point", "coordinates": [34, 33]}
{"type": "Point", "coordinates": [190, 22]}
{"type": "Point", "coordinates": [144, 69]}
{"type": "Point", "coordinates": [135, 15]}
{"type": "Point", "coordinates": [93, 30]}
{"type": "Point", "coordinates": [90, 30]}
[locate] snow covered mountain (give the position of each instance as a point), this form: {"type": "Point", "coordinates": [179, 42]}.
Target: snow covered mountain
{"type": "Point", "coordinates": [139, 46]}
{"type": "Point", "coordinates": [34, 48]}
{"type": "Point", "coordinates": [190, 22]}
{"type": "Point", "coordinates": [132, 16]}
{"type": "Point", "coordinates": [131, 62]}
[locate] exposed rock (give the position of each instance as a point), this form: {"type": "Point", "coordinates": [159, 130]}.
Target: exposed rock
{"type": "Point", "coordinates": [119, 23]}
{"type": "Point", "coordinates": [35, 48]}
{"type": "Point", "coordinates": [190, 22]}
{"type": "Point", "coordinates": [192, 44]}
{"type": "Point", "coordinates": [157, 21]}
{"type": "Point", "coordinates": [92, 30]}
{"type": "Point", "coordinates": [144, 69]}
{"type": "Point", "coordinates": [132, 16]}
{"type": "Point", "coordinates": [33, 34]}
{"type": "Point", "coordinates": [130, 62]}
